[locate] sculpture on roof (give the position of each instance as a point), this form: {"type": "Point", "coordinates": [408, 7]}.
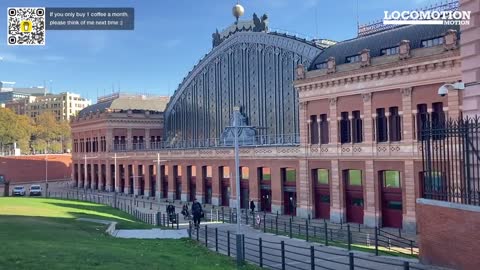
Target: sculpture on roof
{"type": "Point", "coordinates": [216, 39]}
{"type": "Point", "coordinates": [260, 25]}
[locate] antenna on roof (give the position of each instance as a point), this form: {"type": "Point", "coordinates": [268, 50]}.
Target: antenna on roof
{"type": "Point", "coordinates": [316, 21]}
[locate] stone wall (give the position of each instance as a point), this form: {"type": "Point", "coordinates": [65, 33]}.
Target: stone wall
{"type": "Point", "coordinates": [448, 234]}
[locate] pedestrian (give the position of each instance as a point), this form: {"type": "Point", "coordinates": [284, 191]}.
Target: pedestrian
{"type": "Point", "coordinates": [197, 213]}
{"type": "Point", "coordinates": [252, 206]}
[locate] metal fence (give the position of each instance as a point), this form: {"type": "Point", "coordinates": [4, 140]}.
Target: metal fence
{"type": "Point", "coordinates": [451, 160]}
{"type": "Point", "coordinates": [256, 141]}
{"type": "Point", "coordinates": [348, 236]}
{"type": "Point", "coordinates": [282, 255]}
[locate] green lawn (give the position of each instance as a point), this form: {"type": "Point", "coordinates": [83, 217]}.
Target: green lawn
{"type": "Point", "coordinates": [44, 234]}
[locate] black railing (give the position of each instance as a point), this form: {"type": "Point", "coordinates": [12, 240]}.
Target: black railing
{"type": "Point", "coordinates": [273, 254]}
{"type": "Point", "coordinates": [351, 237]}
{"type": "Point", "coordinates": [451, 160]}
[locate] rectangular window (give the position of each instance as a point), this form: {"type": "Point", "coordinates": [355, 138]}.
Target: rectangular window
{"type": "Point", "coordinates": [208, 171]}
{"type": "Point", "coordinates": [395, 122]}
{"type": "Point", "coordinates": [432, 42]}
{"type": "Point", "coordinates": [353, 59]}
{"type": "Point", "coordinates": [323, 129]}
{"type": "Point", "coordinates": [193, 171]}
{"type": "Point", "coordinates": [244, 171]}
{"type": "Point", "coordinates": [381, 125]}
{"type": "Point", "coordinates": [322, 65]}
{"type": "Point", "coordinates": [422, 119]}
{"type": "Point", "coordinates": [289, 174]}
{"type": "Point", "coordinates": [391, 179]}
{"type": "Point", "coordinates": [357, 127]}
{"type": "Point", "coordinates": [226, 172]}
{"type": "Point", "coordinates": [390, 51]}
{"type": "Point", "coordinates": [345, 128]}
{"type": "Point", "coordinates": [354, 177]}
{"type": "Point", "coordinates": [313, 129]}
{"type": "Point", "coordinates": [322, 176]}
{"type": "Point", "coordinates": [265, 174]}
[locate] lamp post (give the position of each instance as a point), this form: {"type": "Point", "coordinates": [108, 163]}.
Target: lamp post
{"type": "Point", "coordinates": [115, 181]}
{"type": "Point", "coordinates": [85, 171]}
{"type": "Point", "coordinates": [158, 160]}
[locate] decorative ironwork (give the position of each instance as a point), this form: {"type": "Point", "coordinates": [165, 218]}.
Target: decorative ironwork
{"type": "Point", "coordinates": [451, 160]}
{"type": "Point", "coordinates": [252, 70]}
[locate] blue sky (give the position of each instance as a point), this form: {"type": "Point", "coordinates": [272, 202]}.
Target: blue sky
{"type": "Point", "coordinates": [170, 36]}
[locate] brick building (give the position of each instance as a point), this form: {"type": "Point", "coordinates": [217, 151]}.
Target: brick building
{"type": "Point", "coordinates": [333, 127]}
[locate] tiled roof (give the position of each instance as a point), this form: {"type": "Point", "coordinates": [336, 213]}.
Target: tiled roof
{"type": "Point", "coordinates": [125, 103]}
{"type": "Point", "coordinates": [381, 40]}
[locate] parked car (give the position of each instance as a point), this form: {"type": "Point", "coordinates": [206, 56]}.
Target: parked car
{"type": "Point", "coordinates": [18, 191]}
{"type": "Point", "coordinates": [35, 190]}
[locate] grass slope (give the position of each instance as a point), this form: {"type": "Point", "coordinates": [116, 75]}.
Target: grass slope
{"type": "Point", "coordinates": [44, 234]}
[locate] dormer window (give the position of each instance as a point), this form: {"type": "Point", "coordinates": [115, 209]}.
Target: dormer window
{"type": "Point", "coordinates": [390, 51]}
{"type": "Point", "coordinates": [322, 65]}
{"type": "Point", "coordinates": [432, 42]}
{"type": "Point", "coordinates": [353, 59]}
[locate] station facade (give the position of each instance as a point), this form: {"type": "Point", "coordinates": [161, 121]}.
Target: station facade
{"type": "Point", "coordinates": [332, 127]}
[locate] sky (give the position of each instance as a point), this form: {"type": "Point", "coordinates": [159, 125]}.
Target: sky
{"type": "Point", "coordinates": [169, 38]}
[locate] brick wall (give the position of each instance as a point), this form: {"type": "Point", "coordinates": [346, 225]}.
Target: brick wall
{"type": "Point", "coordinates": [29, 169]}
{"type": "Point", "coordinates": [449, 234]}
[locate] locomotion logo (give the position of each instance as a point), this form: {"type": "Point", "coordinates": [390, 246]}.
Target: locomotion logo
{"type": "Point", "coordinates": [456, 17]}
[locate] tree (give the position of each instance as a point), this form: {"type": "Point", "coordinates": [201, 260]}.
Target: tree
{"type": "Point", "coordinates": [50, 134]}
{"type": "Point", "coordinates": [14, 129]}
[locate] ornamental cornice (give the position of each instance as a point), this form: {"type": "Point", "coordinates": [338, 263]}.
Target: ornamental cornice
{"type": "Point", "coordinates": [399, 68]}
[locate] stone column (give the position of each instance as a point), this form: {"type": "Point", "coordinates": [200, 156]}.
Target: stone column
{"type": "Point", "coordinates": [92, 175]}
{"type": "Point", "coordinates": [277, 190]}
{"type": "Point", "coordinates": [470, 55]}
{"type": "Point", "coordinates": [370, 218]}
{"type": "Point", "coordinates": [304, 123]}
{"type": "Point", "coordinates": [216, 198]}
{"type": "Point", "coordinates": [116, 177]}
{"type": "Point", "coordinates": [129, 139]}
{"type": "Point", "coordinates": [304, 190]}
{"type": "Point", "coordinates": [408, 123]}
{"type": "Point", "coordinates": [108, 175]}
{"type": "Point", "coordinates": [136, 178]}
{"type": "Point", "coordinates": [200, 184]}
{"type": "Point", "coordinates": [337, 212]}
{"type": "Point", "coordinates": [332, 121]}
{"type": "Point", "coordinates": [185, 184]}
{"type": "Point", "coordinates": [171, 183]}
{"type": "Point", "coordinates": [147, 138]}
{"type": "Point", "coordinates": [158, 179]}
{"type": "Point", "coordinates": [409, 219]}
{"type": "Point", "coordinates": [128, 174]}
{"type": "Point", "coordinates": [109, 140]}
{"type": "Point", "coordinates": [147, 178]}
{"type": "Point", "coordinates": [101, 185]}
{"type": "Point", "coordinates": [367, 118]}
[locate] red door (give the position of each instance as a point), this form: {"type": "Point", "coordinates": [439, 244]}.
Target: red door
{"type": "Point", "coordinates": [208, 190]}
{"type": "Point", "coordinates": [322, 202]}
{"type": "Point", "coordinates": [290, 203]}
{"type": "Point", "coordinates": [226, 192]}
{"type": "Point", "coordinates": [266, 200]}
{"type": "Point", "coordinates": [392, 205]}
{"type": "Point", "coordinates": [193, 185]}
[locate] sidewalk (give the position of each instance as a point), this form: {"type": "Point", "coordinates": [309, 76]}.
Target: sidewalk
{"type": "Point", "coordinates": [297, 253]}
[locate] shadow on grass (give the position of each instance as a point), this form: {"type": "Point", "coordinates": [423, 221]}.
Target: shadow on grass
{"type": "Point", "coordinates": [104, 212]}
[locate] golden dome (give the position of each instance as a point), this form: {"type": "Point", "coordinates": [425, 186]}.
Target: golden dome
{"type": "Point", "coordinates": [238, 11]}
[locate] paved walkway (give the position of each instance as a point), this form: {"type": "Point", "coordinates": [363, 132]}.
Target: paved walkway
{"type": "Point", "coordinates": [297, 252]}
{"type": "Point", "coordinates": [139, 234]}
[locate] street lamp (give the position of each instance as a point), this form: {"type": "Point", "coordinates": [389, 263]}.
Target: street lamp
{"type": "Point", "coordinates": [115, 179]}
{"type": "Point", "coordinates": [238, 125]}
{"type": "Point", "coordinates": [158, 160]}
{"type": "Point", "coordinates": [85, 171]}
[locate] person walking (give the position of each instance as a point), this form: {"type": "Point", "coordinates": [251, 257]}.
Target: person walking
{"type": "Point", "coordinates": [197, 213]}
{"type": "Point", "coordinates": [252, 207]}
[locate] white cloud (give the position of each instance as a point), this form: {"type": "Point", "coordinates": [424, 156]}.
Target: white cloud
{"type": "Point", "coordinates": [13, 58]}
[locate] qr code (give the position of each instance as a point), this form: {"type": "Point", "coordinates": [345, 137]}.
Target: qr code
{"type": "Point", "coordinates": [26, 26]}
